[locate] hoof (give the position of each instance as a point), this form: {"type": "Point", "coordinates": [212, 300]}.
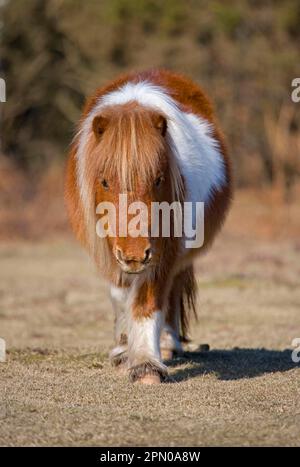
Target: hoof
{"type": "Point", "coordinates": [204, 348]}
{"type": "Point", "coordinates": [148, 373]}
{"type": "Point", "coordinates": [118, 357]}
{"type": "Point", "coordinates": [119, 361]}
{"type": "Point", "coordinates": [166, 354]}
{"type": "Point", "coordinates": [121, 369]}
{"type": "Point", "coordinates": [150, 379]}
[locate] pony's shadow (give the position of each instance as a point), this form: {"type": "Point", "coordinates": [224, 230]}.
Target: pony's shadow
{"type": "Point", "coordinates": [231, 364]}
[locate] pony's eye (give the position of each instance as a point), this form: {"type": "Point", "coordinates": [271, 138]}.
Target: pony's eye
{"type": "Point", "coordinates": [159, 181]}
{"type": "Point", "coordinates": [104, 184]}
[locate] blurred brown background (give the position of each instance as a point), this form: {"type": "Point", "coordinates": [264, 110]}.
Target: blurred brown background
{"type": "Point", "coordinates": [245, 53]}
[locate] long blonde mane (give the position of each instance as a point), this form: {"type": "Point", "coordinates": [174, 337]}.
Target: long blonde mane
{"type": "Point", "coordinates": [129, 150]}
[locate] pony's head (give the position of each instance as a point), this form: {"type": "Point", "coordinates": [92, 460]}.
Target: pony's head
{"type": "Point", "coordinates": [129, 153]}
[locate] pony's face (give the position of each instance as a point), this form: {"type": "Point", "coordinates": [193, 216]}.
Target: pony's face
{"type": "Point", "coordinates": [134, 253]}
{"type": "Point", "coordinates": [133, 161]}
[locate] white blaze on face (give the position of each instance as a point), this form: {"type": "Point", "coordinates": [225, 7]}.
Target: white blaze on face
{"type": "Point", "coordinates": [138, 225]}
{"type": "Point", "coordinates": [106, 224]}
{"type": "Point", "coordinates": [2, 90]}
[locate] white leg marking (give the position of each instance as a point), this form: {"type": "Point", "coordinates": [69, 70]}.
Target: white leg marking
{"type": "Point", "coordinates": [119, 297]}
{"type": "Point", "coordinates": [119, 300]}
{"type": "Point", "coordinates": [144, 340]}
{"type": "Point", "coordinates": [169, 339]}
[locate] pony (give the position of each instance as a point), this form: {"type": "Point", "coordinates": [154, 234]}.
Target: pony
{"type": "Point", "coordinates": [153, 136]}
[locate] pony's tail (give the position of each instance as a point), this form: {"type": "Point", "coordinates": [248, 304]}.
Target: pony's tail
{"type": "Point", "coordinates": [187, 302]}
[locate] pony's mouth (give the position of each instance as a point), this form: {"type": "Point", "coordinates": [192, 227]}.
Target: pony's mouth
{"type": "Point", "coordinates": [135, 267]}
{"type": "Point", "coordinates": [132, 269]}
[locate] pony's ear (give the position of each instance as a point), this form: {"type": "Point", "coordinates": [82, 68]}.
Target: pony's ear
{"type": "Point", "coordinates": [160, 123]}
{"type": "Point", "coordinates": [99, 125]}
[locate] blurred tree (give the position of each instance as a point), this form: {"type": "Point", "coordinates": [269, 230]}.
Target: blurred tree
{"type": "Point", "coordinates": [245, 53]}
{"type": "Point", "coordinates": [44, 95]}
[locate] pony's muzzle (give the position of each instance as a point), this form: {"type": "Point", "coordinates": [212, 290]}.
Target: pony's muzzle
{"type": "Point", "coordinates": [133, 263]}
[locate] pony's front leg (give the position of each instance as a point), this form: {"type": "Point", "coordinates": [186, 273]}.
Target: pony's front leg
{"type": "Point", "coordinates": [146, 323]}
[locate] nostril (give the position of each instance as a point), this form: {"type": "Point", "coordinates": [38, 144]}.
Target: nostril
{"type": "Point", "coordinates": [130, 259]}
{"type": "Point", "coordinates": [147, 256]}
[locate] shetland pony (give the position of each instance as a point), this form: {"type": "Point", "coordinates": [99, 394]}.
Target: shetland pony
{"type": "Point", "coordinates": [152, 135]}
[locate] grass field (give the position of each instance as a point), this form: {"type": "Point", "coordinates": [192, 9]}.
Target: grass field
{"type": "Point", "coordinates": [57, 387]}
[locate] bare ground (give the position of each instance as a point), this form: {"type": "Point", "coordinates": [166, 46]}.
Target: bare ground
{"type": "Point", "coordinates": [57, 387]}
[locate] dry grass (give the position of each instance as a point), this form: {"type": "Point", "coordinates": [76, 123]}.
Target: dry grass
{"type": "Point", "coordinates": [57, 387]}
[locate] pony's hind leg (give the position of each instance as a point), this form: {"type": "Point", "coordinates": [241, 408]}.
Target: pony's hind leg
{"type": "Point", "coordinates": [118, 355]}
{"type": "Point", "coordinates": [170, 344]}
{"type": "Point", "coordinates": [181, 299]}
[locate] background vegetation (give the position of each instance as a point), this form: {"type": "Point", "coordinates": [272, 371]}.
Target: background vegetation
{"type": "Point", "coordinates": [245, 53]}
